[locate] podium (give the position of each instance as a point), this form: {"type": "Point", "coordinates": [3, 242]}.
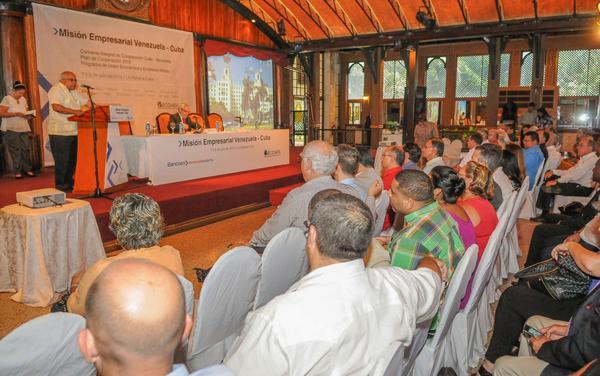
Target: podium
{"type": "Point", "coordinates": [112, 165]}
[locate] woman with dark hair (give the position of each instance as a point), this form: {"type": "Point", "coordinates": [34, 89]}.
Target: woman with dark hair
{"type": "Point", "coordinates": [479, 189]}
{"type": "Point", "coordinates": [448, 187]}
{"type": "Point", "coordinates": [15, 129]}
{"type": "Point", "coordinates": [512, 164]}
{"type": "Point", "coordinates": [544, 120]}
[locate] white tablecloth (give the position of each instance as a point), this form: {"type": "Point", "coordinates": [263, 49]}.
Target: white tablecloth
{"type": "Point", "coordinates": [41, 249]}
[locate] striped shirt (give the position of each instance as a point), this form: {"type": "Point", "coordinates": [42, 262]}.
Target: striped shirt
{"type": "Point", "coordinates": [428, 231]}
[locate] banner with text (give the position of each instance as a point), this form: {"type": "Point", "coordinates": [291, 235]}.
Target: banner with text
{"type": "Point", "coordinates": [147, 67]}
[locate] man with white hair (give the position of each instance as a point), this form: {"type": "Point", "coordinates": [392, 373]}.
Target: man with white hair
{"type": "Point", "coordinates": [183, 116]}
{"type": "Point", "coordinates": [319, 160]}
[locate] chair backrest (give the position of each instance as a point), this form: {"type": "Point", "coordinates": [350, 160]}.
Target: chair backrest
{"type": "Point", "coordinates": [455, 292]}
{"type": "Point", "coordinates": [125, 128]}
{"type": "Point", "coordinates": [188, 292]}
{"type": "Point", "coordinates": [227, 296]}
{"type": "Point", "coordinates": [46, 345]}
{"type": "Point", "coordinates": [283, 263]}
{"type": "Point", "coordinates": [378, 158]}
{"type": "Point", "coordinates": [485, 268]}
{"type": "Point", "coordinates": [213, 118]}
{"type": "Point", "coordinates": [553, 161]}
{"type": "Point", "coordinates": [162, 122]}
{"type": "Point", "coordinates": [508, 204]}
{"type": "Point", "coordinates": [518, 204]}
{"type": "Point", "coordinates": [381, 206]}
{"type": "Point", "coordinates": [197, 118]}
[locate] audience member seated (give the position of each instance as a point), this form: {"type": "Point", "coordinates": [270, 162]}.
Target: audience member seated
{"type": "Point", "coordinates": [412, 156]}
{"type": "Point", "coordinates": [391, 164]}
{"type": "Point", "coordinates": [534, 157]}
{"type": "Point", "coordinates": [484, 135]}
{"type": "Point", "coordinates": [576, 181]}
{"type": "Point", "coordinates": [137, 223]}
{"type": "Point", "coordinates": [319, 160]}
{"type": "Point", "coordinates": [520, 302]}
{"type": "Point", "coordinates": [366, 174]}
{"type": "Point", "coordinates": [493, 137]}
{"type": "Point", "coordinates": [548, 235]}
{"type": "Point", "coordinates": [547, 138]}
{"type": "Point", "coordinates": [530, 116]}
{"type": "Point", "coordinates": [347, 167]}
{"type": "Point", "coordinates": [340, 318]}
{"type": "Point", "coordinates": [490, 156]}
{"type": "Point", "coordinates": [566, 345]}
{"type": "Point", "coordinates": [424, 130]}
{"type": "Point", "coordinates": [473, 141]}
{"type": "Point", "coordinates": [475, 201]}
{"type": "Point", "coordinates": [433, 153]}
{"type": "Point", "coordinates": [183, 116]}
{"type": "Point", "coordinates": [452, 152]}
{"type": "Point", "coordinates": [428, 230]}
{"type": "Point", "coordinates": [448, 187]}
{"type": "Point", "coordinates": [135, 320]}
{"type": "Point", "coordinates": [513, 164]}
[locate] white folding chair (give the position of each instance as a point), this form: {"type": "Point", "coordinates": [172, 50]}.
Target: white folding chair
{"type": "Point", "coordinates": [529, 209]}
{"type": "Point", "coordinates": [438, 351]}
{"type": "Point", "coordinates": [553, 161]}
{"type": "Point", "coordinates": [378, 158]}
{"type": "Point", "coordinates": [381, 206]}
{"type": "Point", "coordinates": [46, 345]}
{"type": "Point", "coordinates": [188, 292]}
{"type": "Point", "coordinates": [283, 263]}
{"type": "Point", "coordinates": [470, 326]}
{"type": "Point", "coordinates": [404, 358]}
{"type": "Point", "coordinates": [509, 249]}
{"type": "Point", "coordinates": [227, 296]}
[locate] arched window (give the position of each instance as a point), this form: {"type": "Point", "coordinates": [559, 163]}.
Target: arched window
{"type": "Point", "coordinates": [394, 79]}
{"type": "Point", "coordinates": [526, 68]}
{"type": "Point", "coordinates": [436, 77]}
{"type": "Point", "coordinates": [472, 76]}
{"type": "Point", "coordinates": [356, 80]}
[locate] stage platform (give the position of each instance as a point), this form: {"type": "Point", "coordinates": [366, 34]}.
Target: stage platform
{"type": "Point", "coordinates": [186, 204]}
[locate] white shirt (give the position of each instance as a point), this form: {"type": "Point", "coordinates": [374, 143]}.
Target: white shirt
{"type": "Point", "coordinates": [340, 319]}
{"type": "Point", "coordinates": [503, 182]}
{"type": "Point", "coordinates": [57, 123]}
{"type": "Point", "coordinates": [15, 123]}
{"type": "Point", "coordinates": [467, 158]}
{"type": "Point", "coordinates": [437, 161]}
{"type": "Point", "coordinates": [581, 173]}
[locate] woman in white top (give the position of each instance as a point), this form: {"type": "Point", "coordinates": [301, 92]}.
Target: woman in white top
{"type": "Point", "coordinates": [15, 129]}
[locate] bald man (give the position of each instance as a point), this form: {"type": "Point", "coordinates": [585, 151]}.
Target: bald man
{"type": "Point", "coordinates": [65, 101]}
{"type": "Point", "coordinates": [135, 319]}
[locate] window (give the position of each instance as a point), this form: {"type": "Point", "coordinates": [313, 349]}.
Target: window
{"type": "Point", "coordinates": [394, 79]}
{"type": "Point", "coordinates": [577, 73]}
{"type": "Point", "coordinates": [300, 105]}
{"type": "Point", "coordinates": [356, 80]}
{"type": "Point", "coordinates": [472, 76]}
{"type": "Point", "coordinates": [526, 68]}
{"type": "Point", "coordinates": [504, 68]}
{"type": "Point", "coordinates": [436, 77]}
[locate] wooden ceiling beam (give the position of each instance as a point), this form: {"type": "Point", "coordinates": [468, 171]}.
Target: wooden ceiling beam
{"type": "Point", "coordinates": [399, 13]}
{"type": "Point", "coordinates": [449, 34]}
{"type": "Point", "coordinates": [366, 8]}
{"type": "Point", "coordinates": [311, 12]}
{"type": "Point", "coordinates": [535, 9]}
{"type": "Point", "coordinates": [500, 11]}
{"type": "Point", "coordinates": [243, 11]}
{"type": "Point", "coordinates": [341, 14]}
{"type": "Point", "coordinates": [285, 15]}
{"type": "Point", "coordinates": [463, 10]}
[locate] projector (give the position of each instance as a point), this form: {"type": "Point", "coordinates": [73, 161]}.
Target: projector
{"type": "Point", "coordinates": [41, 198]}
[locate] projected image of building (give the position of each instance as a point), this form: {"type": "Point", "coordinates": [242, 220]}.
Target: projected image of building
{"type": "Point", "coordinates": [241, 89]}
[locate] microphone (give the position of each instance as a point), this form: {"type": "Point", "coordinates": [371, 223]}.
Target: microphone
{"type": "Point", "coordinates": [87, 86]}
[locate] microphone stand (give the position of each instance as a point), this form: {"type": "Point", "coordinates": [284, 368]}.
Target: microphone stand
{"type": "Point", "coordinates": [97, 192]}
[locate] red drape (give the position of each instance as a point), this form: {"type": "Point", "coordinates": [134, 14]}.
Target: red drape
{"type": "Point", "coordinates": [218, 48]}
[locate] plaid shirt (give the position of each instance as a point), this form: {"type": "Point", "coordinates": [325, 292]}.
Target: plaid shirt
{"type": "Point", "coordinates": [428, 231]}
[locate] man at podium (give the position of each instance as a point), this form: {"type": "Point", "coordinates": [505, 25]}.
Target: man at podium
{"type": "Point", "coordinates": [65, 101]}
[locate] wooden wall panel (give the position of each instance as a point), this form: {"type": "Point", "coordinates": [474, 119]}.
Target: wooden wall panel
{"type": "Point", "coordinates": [207, 17]}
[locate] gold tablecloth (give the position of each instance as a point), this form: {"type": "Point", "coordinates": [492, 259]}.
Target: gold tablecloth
{"type": "Point", "coordinates": [41, 249]}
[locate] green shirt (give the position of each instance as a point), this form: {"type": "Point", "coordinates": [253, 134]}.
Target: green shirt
{"type": "Point", "coordinates": [428, 231]}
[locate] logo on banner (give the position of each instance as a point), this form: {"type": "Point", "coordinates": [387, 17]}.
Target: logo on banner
{"type": "Point", "coordinates": [161, 104]}
{"type": "Point", "coordinates": [272, 153]}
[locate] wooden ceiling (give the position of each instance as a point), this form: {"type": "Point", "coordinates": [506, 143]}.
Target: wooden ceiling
{"type": "Point", "coordinates": [328, 20]}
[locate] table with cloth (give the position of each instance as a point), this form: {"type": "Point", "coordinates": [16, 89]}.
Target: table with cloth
{"type": "Point", "coordinates": [41, 249]}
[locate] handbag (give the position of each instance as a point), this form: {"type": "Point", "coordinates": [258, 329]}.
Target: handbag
{"type": "Point", "coordinates": [571, 209]}
{"type": "Point", "coordinates": [561, 279]}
